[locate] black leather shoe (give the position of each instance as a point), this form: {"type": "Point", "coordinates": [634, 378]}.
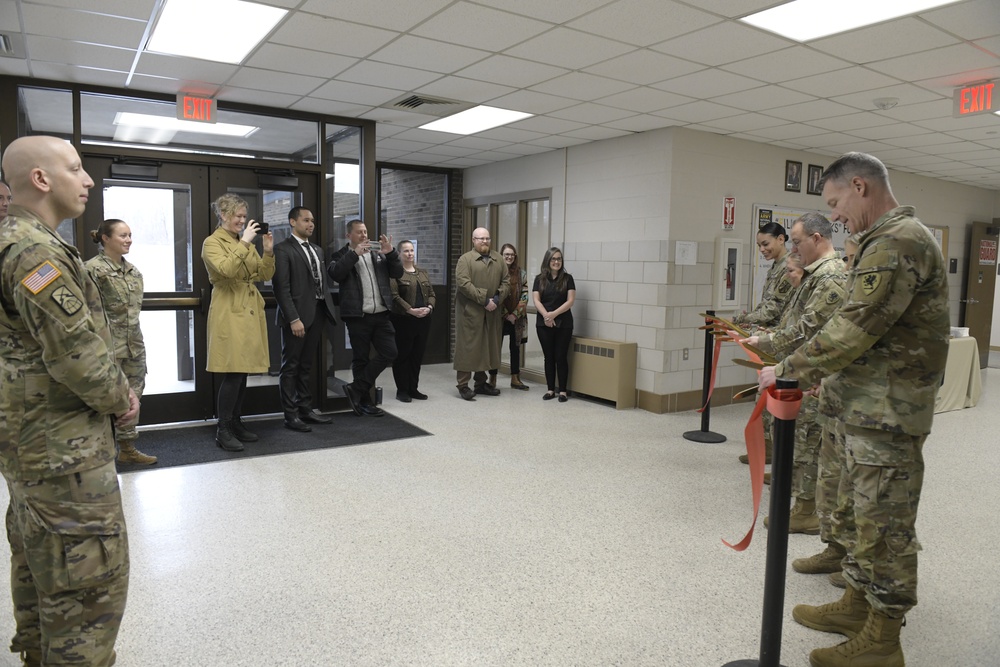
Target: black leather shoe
{"type": "Point", "coordinates": [487, 390]}
{"type": "Point", "coordinates": [354, 398]}
{"type": "Point", "coordinates": [296, 424]}
{"type": "Point", "coordinates": [417, 395]}
{"type": "Point", "coordinates": [403, 396]}
{"type": "Point", "coordinates": [467, 393]}
{"type": "Point", "coordinates": [313, 417]}
{"type": "Point", "coordinates": [371, 410]}
{"type": "Point", "coordinates": [548, 396]}
{"type": "Point", "coordinates": [563, 398]}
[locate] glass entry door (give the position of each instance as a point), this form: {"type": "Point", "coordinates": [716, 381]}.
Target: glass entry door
{"type": "Point", "coordinates": [170, 218]}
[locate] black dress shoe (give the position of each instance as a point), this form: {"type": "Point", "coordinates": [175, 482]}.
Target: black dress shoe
{"type": "Point", "coordinates": [371, 410]}
{"type": "Point", "coordinates": [313, 417]}
{"type": "Point", "coordinates": [487, 390]}
{"type": "Point", "coordinates": [467, 393]}
{"type": "Point", "coordinates": [354, 398]}
{"type": "Point", "coordinates": [417, 395]}
{"type": "Point", "coordinates": [403, 396]}
{"type": "Point", "coordinates": [563, 398]}
{"type": "Point", "coordinates": [548, 396]}
{"type": "Point", "coordinates": [296, 424]}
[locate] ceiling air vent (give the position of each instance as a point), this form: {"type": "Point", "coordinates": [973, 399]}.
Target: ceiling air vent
{"type": "Point", "coordinates": [430, 106]}
{"type": "Point", "coordinates": [11, 46]}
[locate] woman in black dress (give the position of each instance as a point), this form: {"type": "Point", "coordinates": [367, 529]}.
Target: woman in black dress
{"type": "Point", "coordinates": [554, 293]}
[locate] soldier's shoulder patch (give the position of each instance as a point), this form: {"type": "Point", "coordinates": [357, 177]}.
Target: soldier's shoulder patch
{"type": "Point", "coordinates": [870, 282]}
{"type": "Point", "coordinates": [69, 302]}
{"type": "Point", "coordinates": [784, 286]}
{"type": "Point", "coordinates": [832, 297]}
{"type": "Point", "coordinates": [41, 277]}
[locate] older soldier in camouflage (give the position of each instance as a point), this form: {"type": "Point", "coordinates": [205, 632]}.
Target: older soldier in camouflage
{"type": "Point", "coordinates": [59, 388]}
{"type": "Point", "coordinates": [883, 356]}
{"type": "Point", "coordinates": [122, 288]}
{"type": "Point", "coordinates": [819, 295]}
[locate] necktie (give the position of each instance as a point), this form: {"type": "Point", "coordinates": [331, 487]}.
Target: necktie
{"type": "Point", "coordinates": [317, 283]}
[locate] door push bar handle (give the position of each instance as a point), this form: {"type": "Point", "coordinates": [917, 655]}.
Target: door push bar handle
{"type": "Point", "coordinates": [968, 300]}
{"type": "Point", "coordinates": [204, 301]}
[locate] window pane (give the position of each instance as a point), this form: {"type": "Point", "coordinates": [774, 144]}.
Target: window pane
{"type": "Point", "coordinates": [343, 182]}
{"type": "Point", "coordinates": [506, 227]}
{"type": "Point", "coordinates": [169, 339]}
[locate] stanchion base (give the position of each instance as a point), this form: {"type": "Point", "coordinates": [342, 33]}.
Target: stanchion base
{"type": "Point", "coordinates": [745, 663]}
{"type": "Point", "coordinates": [704, 436]}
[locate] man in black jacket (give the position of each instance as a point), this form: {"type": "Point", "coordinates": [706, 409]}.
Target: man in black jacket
{"type": "Point", "coordinates": [304, 304]}
{"type": "Point", "coordinates": [363, 270]}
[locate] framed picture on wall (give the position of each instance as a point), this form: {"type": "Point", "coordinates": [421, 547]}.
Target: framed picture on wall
{"type": "Point", "coordinates": [728, 276]}
{"type": "Point", "coordinates": [812, 182]}
{"type": "Point", "coordinates": [793, 176]}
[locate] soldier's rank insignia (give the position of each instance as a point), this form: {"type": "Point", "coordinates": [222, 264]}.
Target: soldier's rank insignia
{"type": "Point", "coordinates": [870, 283]}
{"type": "Point", "coordinates": [69, 302]}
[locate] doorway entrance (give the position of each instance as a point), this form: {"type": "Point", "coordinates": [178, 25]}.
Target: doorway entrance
{"type": "Point", "coordinates": [170, 214]}
{"type": "Point", "coordinates": [981, 284]}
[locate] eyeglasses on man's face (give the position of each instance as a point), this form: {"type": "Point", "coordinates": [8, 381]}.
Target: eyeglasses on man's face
{"type": "Point", "coordinates": [480, 238]}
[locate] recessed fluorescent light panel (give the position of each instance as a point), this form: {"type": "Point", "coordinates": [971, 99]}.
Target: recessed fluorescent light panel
{"type": "Point", "coordinates": [476, 119]}
{"type": "Point", "coordinates": [804, 20]}
{"type": "Point", "coordinates": [128, 119]}
{"type": "Point", "coordinates": [221, 30]}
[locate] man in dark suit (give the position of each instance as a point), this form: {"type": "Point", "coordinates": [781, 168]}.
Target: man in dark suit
{"type": "Point", "coordinates": [304, 304]}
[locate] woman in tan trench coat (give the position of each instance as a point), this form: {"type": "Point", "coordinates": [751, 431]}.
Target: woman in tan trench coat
{"type": "Point", "coordinates": [237, 333]}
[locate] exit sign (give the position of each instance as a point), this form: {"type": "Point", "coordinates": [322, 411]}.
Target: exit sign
{"type": "Point", "coordinates": [195, 108]}
{"type": "Point", "coordinates": [976, 98]}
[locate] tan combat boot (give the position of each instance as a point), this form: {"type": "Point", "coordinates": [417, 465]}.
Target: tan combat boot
{"type": "Point", "coordinates": [846, 616]}
{"type": "Point", "coordinates": [837, 579]}
{"type": "Point", "coordinates": [877, 645]}
{"type": "Point", "coordinates": [803, 518]}
{"type": "Point", "coordinates": [515, 382]}
{"type": "Point", "coordinates": [825, 561]}
{"type": "Point", "coordinates": [767, 454]}
{"type": "Point", "coordinates": [127, 453]}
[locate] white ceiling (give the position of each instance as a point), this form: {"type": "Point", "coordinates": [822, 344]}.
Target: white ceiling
{"type": "Point", "coordinates": [588, 69]}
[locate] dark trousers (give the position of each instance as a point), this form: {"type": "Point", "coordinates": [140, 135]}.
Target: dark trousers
{"type": "Point", "coordinates": [555, 342]}
{"type": "Point", "coordinates": [411, 342]}
{"type": "Point", "coordinates": [365, 333]}
{"type": "Point", "coordinates": [297, 355]}
{"type": "Point", "coordinates": [231, 391]}
{"type": "Point", "coordinates": [515, 348]}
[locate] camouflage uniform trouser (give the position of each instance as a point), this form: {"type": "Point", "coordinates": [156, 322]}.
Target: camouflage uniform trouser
{"type": "Point", "coordinates": [134, 369]}
{"type": "Point", "coordinates": [834, 524]}
{"type": "Point", "coordinates": [880, 489]}
{"type": "Point", "coordinates": [806, 456]}
{"type": "Point", "coordinates": [69, 566]}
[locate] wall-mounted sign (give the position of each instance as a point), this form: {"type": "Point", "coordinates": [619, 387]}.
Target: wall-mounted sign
{"type": "Point", "coordinates": [976, 98]}
{"type": "Point", "coordinates": [195, 108]}
{"type": "Point", "coordinates": [728, 213]}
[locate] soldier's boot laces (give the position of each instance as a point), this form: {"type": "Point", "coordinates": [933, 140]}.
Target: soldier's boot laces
{"type": "Point", "coordinates": [824, 562]}
{"type": "Point", "coordinates": [877, 645]}
{"type": "Point", "coordinates": [241, 431]}
{"type": "Point", "coordinates": [224, 437]}
{"type": "Point", "coordinates": [127, 453]}
{"type": "Point", "coordinates": [803, 518]}
{"type": "Point", "coordinates": [846, 616]}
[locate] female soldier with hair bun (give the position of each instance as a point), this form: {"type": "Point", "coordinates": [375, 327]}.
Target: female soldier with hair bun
{"type": "Point", "coordinates": [121, 289]}
{"type": "Point", "coordinates": [771, 239]}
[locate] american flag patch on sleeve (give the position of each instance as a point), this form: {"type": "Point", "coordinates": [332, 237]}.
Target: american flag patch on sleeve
{"type": "Point", "coordinates": [41, 277]}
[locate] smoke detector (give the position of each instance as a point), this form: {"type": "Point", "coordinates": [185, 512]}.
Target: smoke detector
{"type": "Point", "coordinates": [885, 103]}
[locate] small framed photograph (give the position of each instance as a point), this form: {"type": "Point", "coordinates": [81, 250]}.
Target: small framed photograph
{"type": "Point", "coordinates": [812, 184]}
{"type": "Point", "coordinates": [728, 279]}
{"type": "Point", "coordinates": [793, 176]}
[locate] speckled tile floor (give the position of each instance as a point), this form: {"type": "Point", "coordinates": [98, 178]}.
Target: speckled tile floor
{"type": "Point", "coordinates": [522, 533]}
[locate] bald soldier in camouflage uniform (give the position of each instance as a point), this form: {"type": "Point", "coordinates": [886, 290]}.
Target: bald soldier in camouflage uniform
{"type": "Point", "coordinates": [883, 356]}
{"type": "Point", "coordinates": [59, 388]}
{"type": "Point", "coordinates": [817, 298]}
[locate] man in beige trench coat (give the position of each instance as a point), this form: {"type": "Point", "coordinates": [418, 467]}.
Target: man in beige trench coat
{"type": "Point", "coordinates": [482, 286]}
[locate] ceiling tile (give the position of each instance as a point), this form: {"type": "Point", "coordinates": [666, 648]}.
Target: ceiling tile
{"type": "Point", "coordinates": [589, 112]}
{"type": "Point", "coordinates": [841, 82]}
{"type": "Point", "coordinates": [921, 140]}
{"type": "Point", "coordinates": [58, 72]}
{"type": "Point", "coordinates": [560, 141]}
{"type": "Point", "coordinates": [510, 134]}
{"type": "Point", "coordinates": [14, 67]}
{"type": "Point", "coordinates": [852, 121]}
{"type": "Point", "coordinates": [569, 48]}
{"type": "Point", "coordinates": [597, 133]}
{"type": "Point", "coordinates": [785, 65]}
{"type": "Point", "coordinates": [532, 102]}
{"type": "Point", "coordinates": [547, 125]}
{"type": "Point", "coordinates": [643, 22]}
{"type": "Point", "coordinates": [390, 14]}
{"type": "Point", "coordinates": [978, 133]}
{"type": "Point", "coordinates": [783, 132]}
{"type": "Point", "coordinates": [345, 91]}
{"type": "Point", "coordinates": [495, 30]}
{"type": "Point", "coordinates": [335, 36]}
{"type": "Point", "coordinates": [810, 110]}
{"type": "Point", "coordinates": [253, 96]}
{"type": "Point", "coordinates": [525, 149]}
{"type": "Point", "coordinates": [892, 131]}
{"type": "Point", "coordinates": [733, 8]}
{"type": "Point", "coordinates": [582, 86]}
{"type": "Point", "coordinates": [278, 57]}
{"type": "Point", "coordinates": [968, 20]}
{"type": "Point", "coordinates": [48, 49]}
{"type": "Point", "coordinates": [512, 71]}
{"type": "Point", "coordinates": [291, 84]}
{"type": "Point", "coordinates": [698, 111]}
{"type": "Point", "coordinates": [428, 54]}
{"type": "Point", "coordinates": [388, 76]}
{"type": "Point", "coordinates": [136, 9]}
{"type": "Point", "coordinates": [554, 11]}
{"type": "Point", "coordinates": [82, 26]}
{"type": "Point", "coordinates": [723, 43]}
{"type": "Point", "coordinates": [184, 68]}
{"type": "Point", "coordinates": [398, 117]}
{"type": "Point", "coordinates": [765, 97]}
{"type": "Point", "coordinates": [937, 62]}
{"type": "Point", "coordinates": [642, 123]}
{"type": "Point", "coordinates": [467, 90]}
{"type": "Point", "coordinates": [904, 92]}
{"type": "Point", "coordinates": [947, 124]}
{"type": "Point", "coordinates": [708, 83]}
{"type": "Point", "coordinates": [945, 85]}
{"type": "Point", "coordinates": [744, 122]}
{"type": "Point", "coordinates": [644, 67]}
{"type": "Point", "coordinates": [478, 142]}
{"type": "Point", "coordinates": [332, 107]}
{"type": "Point", "coordinates": [884, 40]}
{"type": "Point", "coordinates": [921, 111]}
{"type": "Point", "coordinates": [644, 100]}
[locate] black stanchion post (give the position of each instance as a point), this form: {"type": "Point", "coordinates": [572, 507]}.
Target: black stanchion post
{"type": "Point", "coordinates": [772, 614]}
{"type": "Point", "coordinates": [705, 435]}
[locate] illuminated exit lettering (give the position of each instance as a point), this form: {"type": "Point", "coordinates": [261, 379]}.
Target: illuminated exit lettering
{"type": "Point", "coordinates": [195, 108]}
{"type": "Point", "coordinates": [975, 99]}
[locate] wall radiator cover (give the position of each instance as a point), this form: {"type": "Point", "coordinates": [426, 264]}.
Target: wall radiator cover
{"type": "Point", "coordinates": [603, 369]}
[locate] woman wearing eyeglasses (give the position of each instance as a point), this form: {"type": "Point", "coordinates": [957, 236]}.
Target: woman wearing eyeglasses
{"type": "Point", "coordinates": [514, 311]}
{"type": "Point", "coordinates": [554, 293]}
